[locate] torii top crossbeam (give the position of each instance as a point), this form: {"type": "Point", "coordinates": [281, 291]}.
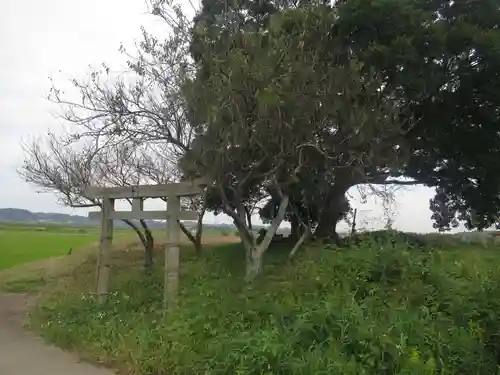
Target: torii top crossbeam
{"type": "Point", "coordinates": [180, 189]}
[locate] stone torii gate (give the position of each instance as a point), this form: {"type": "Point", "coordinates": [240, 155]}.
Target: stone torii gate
{"type": "Point", "coordinates": [173, 192]}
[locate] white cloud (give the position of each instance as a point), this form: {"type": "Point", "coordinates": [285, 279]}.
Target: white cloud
{"type": "Point", "coordinates": [39, 39]}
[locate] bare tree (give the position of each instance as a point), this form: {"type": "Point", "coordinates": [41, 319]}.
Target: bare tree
{"type": "Point", "coordinates": [159, 165]}
{"type": "Point", "coordinates": [66, 171]}
{"type": "Point", "coordinates": [144, 104]}
{"type": "Point", "coordinates": [386, 195]}
{"type": "Point", "coordinates": [137, 120]}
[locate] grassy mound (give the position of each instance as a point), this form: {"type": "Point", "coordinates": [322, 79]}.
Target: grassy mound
{"type": "Point", "coordinates": [370, 310]}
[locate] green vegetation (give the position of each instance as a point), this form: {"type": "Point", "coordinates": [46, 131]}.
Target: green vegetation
{"type": "Point", "coordinates": [470, 240]}
{"type": "Point", "coordinates": [375, 308]}
{"type": "Point", "coordinates": [46, 227]}
{"type": "Point", "coordinates": [23, 244]}
{"type": "Point", "coordinates": [287, 107]}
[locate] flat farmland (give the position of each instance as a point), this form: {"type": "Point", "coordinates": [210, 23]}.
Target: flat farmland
{"type": "Point", "coordinates": [23, 244]}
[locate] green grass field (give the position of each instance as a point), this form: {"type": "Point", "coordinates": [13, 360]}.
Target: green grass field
{"type": "Point", "coordinates": [24, 243]}
{"type": "Point", "coordinates": [20, 245]}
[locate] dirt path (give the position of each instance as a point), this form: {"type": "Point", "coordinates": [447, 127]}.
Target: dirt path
{"type": "Point", "coordinates": [22, 353]}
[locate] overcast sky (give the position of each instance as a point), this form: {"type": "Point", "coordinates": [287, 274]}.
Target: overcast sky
{"type": "Point", "coordinates": [61, 38]}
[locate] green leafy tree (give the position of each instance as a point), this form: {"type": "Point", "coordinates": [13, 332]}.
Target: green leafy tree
{"type": "Point", "coordinates": [443, 58]}
{"type": "Point", "coordinates": [272, 108]}
{"type": "Point", "coordinates": [438, 57]}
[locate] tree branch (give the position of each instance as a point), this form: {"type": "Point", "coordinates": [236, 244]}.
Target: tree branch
{"type": "Point", "coordinates": [137, 231]}
{"type": "Point", "coordinates": [395, 182]}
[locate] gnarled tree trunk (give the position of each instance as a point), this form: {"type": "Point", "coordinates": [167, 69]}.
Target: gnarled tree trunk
{"type": "Point", "coordinates": [327, 226]}
{"type": "Point", "coordinates": [149, 247]}
{"type": "Point", "coordinates": [196, 238]}
{"type": "Point", "coordinates": [254, 250]}
{"type": "Point", "coordinates": [331, 214]}
{"type": "Point", "coordinates": [147, 241]}
{"type": "Point", "coordinates": [295, 228]}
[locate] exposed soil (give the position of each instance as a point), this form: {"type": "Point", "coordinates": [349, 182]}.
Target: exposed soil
{"type": "Point", "coordinates": [22, 353]}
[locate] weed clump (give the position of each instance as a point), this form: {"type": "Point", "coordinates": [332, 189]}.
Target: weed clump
{"type": "Point", "coordinates": [371, 309]}
{"type": "Point", "coordinates": [391, 238]}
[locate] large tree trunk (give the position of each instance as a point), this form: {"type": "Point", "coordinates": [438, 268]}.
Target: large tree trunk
{"type": "Point", "coordinates": [327, 226]}
{"type": "Point", "coordinates": [253, 264]}
{"type": "Point", "coordinates": [248, 214]}
{"type": "Point", "coordinates": [331, 215]}
{"type": "Point", "coordinates": [295, 228]}
{"type": "Point", "coordinates": [256, 251]}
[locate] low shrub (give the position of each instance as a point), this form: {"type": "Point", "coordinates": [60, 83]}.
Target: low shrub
{"type": "Point", "coordinates": [430, 241]}
{"type": "Point", "coordinates": [391, 238]}
{"type": "Point", "coordinates": [369, 309]}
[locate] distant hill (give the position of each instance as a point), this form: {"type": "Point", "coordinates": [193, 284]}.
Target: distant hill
{"type": "Point", "coordinates": [18, 215]}
{"type": "Point", "coordinates": [14, 214]}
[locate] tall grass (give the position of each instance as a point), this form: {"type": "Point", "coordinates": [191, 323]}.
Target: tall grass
{"type": "Point", "coordinates": [376, 308]}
